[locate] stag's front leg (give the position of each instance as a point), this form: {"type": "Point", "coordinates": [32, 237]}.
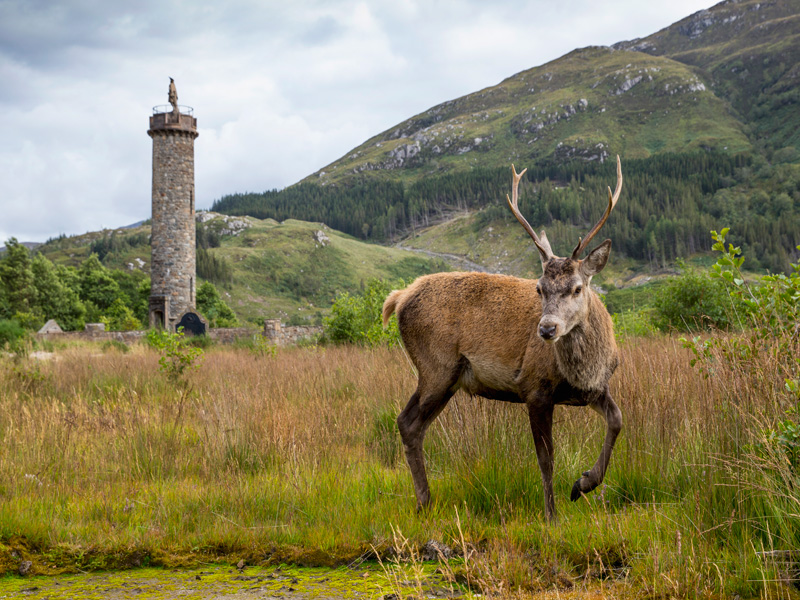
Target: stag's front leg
{"type": "Point", "coordinates": [423, 407]}
{"type": "Point", "coordinates": [606, 408]}
{"type": "Point", "coordinates": [542, 428]}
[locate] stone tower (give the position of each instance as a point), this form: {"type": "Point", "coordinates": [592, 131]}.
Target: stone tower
{"type": "Point", "coordinates": [172, 263]}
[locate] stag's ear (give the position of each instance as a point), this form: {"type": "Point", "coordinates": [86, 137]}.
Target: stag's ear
{"type": "Point", "coordinates": [596, 260]}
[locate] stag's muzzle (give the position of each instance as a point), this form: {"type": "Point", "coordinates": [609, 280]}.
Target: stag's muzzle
{"type": "Point", "coordinates": [550, 328]}
{"type": "Point", "coordinates": [547, 332]}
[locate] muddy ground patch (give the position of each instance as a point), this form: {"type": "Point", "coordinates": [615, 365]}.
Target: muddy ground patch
{"type": "Point", "coordinates": [230, 583]}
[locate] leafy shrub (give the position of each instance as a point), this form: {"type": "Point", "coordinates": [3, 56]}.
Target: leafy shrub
{"type": "Point", "coordinates": [29, 377]}
{"type": "Point", "coordinates": [119, 317]}
{"type": "Point", "coordinates": [357, 319]}
{"type": "Point", "coordinates": [211, 305]}
{"type": "Point", "coordinates": [772, 308]}
{"type": "Point", "coordinates": [28, 320]}
{"type": "Point", "coordinates": [773, 305]}
{"type": "Point", "coordinates": [694, 301]}
{"type": "Point", "coordinates": [633, 298]}
{"type": "Point", "coordinates": [12, 334]}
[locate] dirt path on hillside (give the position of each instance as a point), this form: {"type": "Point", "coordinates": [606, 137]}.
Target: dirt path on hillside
{"type": "Point", "coordinates": [461, 263]}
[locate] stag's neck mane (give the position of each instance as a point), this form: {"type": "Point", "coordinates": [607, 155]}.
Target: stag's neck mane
{"type": "Point", "coordinates": [587, 355]}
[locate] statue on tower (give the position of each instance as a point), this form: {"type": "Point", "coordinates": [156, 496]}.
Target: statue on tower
{"type": "Point", "coordinates": [173, 96]}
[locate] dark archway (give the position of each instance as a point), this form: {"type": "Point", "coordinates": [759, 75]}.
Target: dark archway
{"type": "Point", "coordinates": [192, 324]}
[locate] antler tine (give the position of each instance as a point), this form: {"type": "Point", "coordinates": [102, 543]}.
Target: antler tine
{"type": "Point", "coordinates": [612, 202]}
{"type": "Point", "coordinates": [513, 204]}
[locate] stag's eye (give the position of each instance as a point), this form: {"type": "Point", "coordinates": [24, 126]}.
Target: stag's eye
{"type": "Point", "coordinates": [577, 291]}
{"type": "Point", "coordinates": [539, 291]}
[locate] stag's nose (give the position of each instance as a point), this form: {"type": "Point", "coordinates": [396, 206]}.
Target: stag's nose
{"type": "Point", "coordinates": [547, 332]}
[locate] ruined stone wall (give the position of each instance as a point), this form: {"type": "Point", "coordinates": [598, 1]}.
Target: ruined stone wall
{"type": "Point", "coordinates": [228, 335]}
{"type": "Point", "coordinates": [127, 337]}
{"type": "Point", "coordinates": [281, 336]}
{"type": "Point", "coordinates": [172, 268]}
{"type": "Point", "coordinates": [294, 335]}
{"type": "Point", "coordinates": [285, 336]}
{"type": "Point", "coordinates": [278, 334]}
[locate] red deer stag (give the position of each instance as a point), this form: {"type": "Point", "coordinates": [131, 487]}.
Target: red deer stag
{"type": "Point", "coordinates": [542, 342]}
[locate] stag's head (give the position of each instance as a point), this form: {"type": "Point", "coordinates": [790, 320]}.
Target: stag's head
{"type": "Point", "coordinates": [564, 285]}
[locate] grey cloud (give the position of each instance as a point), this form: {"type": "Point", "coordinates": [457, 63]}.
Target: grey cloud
{"type": "Point", "coordinates": [321, 32]}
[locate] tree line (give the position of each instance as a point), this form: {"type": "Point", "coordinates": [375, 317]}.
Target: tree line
{"type": "Point", "coordinates": [670, 202]}
{"type": "Point", "coordinates": [33, 290]}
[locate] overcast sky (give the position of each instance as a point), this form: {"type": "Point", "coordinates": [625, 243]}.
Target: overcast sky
{"type": "Point", "coordinates": [280, 88]}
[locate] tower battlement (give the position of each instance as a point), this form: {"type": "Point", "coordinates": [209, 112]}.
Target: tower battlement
{"type": "Point", "coordinates": [165, 119]}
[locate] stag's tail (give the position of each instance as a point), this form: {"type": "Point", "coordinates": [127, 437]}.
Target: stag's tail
{"type": "Point", "coordinates": [390, 304]}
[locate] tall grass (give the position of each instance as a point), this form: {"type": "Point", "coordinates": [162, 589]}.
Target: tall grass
{"type": "Point", "coordinates": [296, 457]}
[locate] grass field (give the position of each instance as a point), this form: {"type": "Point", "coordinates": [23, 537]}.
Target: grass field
{"type": "Point", "coordinates": [296, 458]}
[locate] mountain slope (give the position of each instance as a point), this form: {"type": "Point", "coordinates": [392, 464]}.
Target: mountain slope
{"type": "Point", "coordinates": [587, 105]}
{"type": "Point", "coordinates": [750, 52]}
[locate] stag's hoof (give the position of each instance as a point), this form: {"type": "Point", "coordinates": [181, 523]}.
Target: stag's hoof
{"type": "Point", "coordinates": [584, 485]}
{"type": "Point", "coordinates": [576, 491]}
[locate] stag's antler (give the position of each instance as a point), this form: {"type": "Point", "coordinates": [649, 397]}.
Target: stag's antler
{"type": "Point", "coordinates": [612, 201]}
{"type": "Point", "coordinates": [542, 245]}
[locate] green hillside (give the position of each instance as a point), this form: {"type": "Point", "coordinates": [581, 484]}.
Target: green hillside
{"type": "Point", "coordinates": [264, 269]}
{"type": "Point", "coordinates": [705, 115]}
{"type": "Point", "coordinates": [750, 53]}
{"type": "Point", "coordinates": [587, 105]}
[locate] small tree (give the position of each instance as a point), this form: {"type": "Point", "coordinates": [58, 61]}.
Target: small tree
{"type": "Point", "coordinates": [771, 315]}
{"type": "Point", "coordinates": [177, 359]}
{"type": "Point", "coordinates": [97, 285]}
{"type": "Point", "coordinates": [213, 307]}
{"type": "Point", "coordinates": [55, 299]}
{"type": "Point", "coordinates": [357, 319]}
{"type": "Point", "coordinates": [16, 279]}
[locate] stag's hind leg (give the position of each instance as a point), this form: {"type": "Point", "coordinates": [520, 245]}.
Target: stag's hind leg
{"type": "Point", "coordinates": [423, 407]}
{"type": "Point", "coordinates": [609, 410]}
